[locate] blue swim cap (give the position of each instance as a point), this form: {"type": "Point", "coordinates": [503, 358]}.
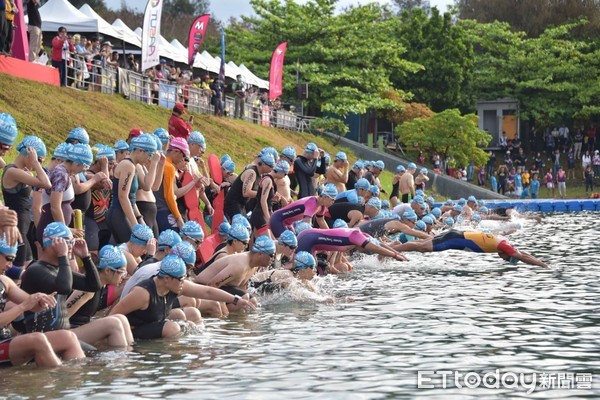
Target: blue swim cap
{"type": "Point", "coordinates": [197, 137]}
{"type": "Point", "coordinates": [32, 141]}
{"type": "Point", "coordinates": [472, 199]}
{"type": "Point", "coordinates": [168, 238]}
{"type": "Point", "coordinates": [430, 200]}
{"type": "Point", "coordinates": [282, 166]}
{"type": "Point", "coordinates": [289, 152]}
{"type": "Point", "coordinates": [158, 142]}
{"type": "Point", "coordinates": [121, 145]}
{"type": "Point", "coordinates": [304, 260]}
{"type": "Point", "coordinates": [267, 159]}
{"type": "Point", "coordinates": [8, 129]}
{"type": "Point", "coordinates": [419, 200]}
{"type": "Point", "coordinates": [111, 257]}
{"type": "Point", "coordinates": [400, 168]}
{"type": "Point", "coordinates": [358, 164]}
{"type": "Point", "coordinates": [385, 204]}
{"type": "Point", "coordinates": [411, 165]}
{"type": "Point", "coordinates": [449, 202]}
{"type": "Point", "coordinates": [327, 158]}
{"type": "Point", "coordinates": [374, 202]}
{"type": "Point", "coordinates": [62, 151]}
{"type": "Point", "coordinates": [238, 232]}
{"type": "Point", "coordinates": [172, 266]}
{"type": "Point", "coordinates": [436, 212]}
{"type": "Point", "coordinates": [484, 210]}
{"type": "Point", "coordinates": [264, 244]}
{"type": "Point", "coordinates": [340, 155]}
{"type": "Point", "coordinates": [185, 251]}
{"type": "Point", "coordinates": [428, 220]}
{"type": "Point", "coordinates": [223, 229]}
{"type": "Point", "coordinates": [448, 221]}
{"type": "Point", "coordinates": [162, 134]}
{"type": "Point", "coordinates": [228, 166]}
{"type": "Point", "coordinates": [79, 134]}
{"type": "Point", "coordinates": [424, 171]}
{"type": "Point", "coordinates": [55, 230]}
{"type": "Point", "coordinates": [329, 190]}
{"type": "Point", "coordinates": [144, 142]}
{"type": "Point", "coordinates": [374, 190]}
{"type": "Point", "coordinates": [379, 164]}
{"type": "Point", "coordinates": [363, 184]}
{"type": "Point", "coordinates": [481, 203]}
{"type": "Point", "coordinates": [140, 234]}
{"type": "Point", "coordinates": [81, 153]}
{"type": "Point", "coordinates": [192, 229]}
{"type": "Point", "coordinates": [240, 219]}
{"type": "Point", "coordinates": [420, 192]}
{"type": "Point", "coordinates": [340, 223]}
{"type": "Point", "coordinates": [105, 151]}
{"type": "Point", "coordinates": [409, 215]}
{"type": "Point", "coordinates": [226, 157]}
{"type": "Point", "coordinates": [420, 226]}
{"type": "Point", "coordinates": [458, 208]}
{"type": "Point", "coordinates": [5, 248]}
{"type": "Point", "coordinates": [287, 238]}
{"type": "Point", "coordinates": [311, 148]}
{"type": "Point", "coordinates": [462, 201]}
{"type": "Point", "coordinates": [476, 217]}
{"type": "Point", "coordinates": [300, 226]}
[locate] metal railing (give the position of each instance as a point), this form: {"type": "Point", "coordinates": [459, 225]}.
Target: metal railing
{"type": "Point", "coordinates": [91, 75]}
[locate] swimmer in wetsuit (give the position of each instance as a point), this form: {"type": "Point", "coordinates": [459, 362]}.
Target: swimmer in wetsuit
{"type": "Point", "coordinates": [478, 242]}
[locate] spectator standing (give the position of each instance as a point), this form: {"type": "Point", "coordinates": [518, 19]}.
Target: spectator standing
{"type": "Point", "coordinates": [34, 28]}
{"type": "Point", "coordinates": [239, 89]}
{"type": "Point", "coordinates": [217, 98]}
{"type": "Point", "coordinates": [588, 178]}
{"type": "Point", "coordinates": [61, 47]}
{"type": "Point", "coordinates": [535, 186]}
{"type": "Point", "coordinates": [491, 164]}
{"type": "Point", "coordinates": [10, 12]}
{"type": "Point", "coordinates": [591, 134]}
{"type": "Point", "coordinates": [596, 162]}
{"type": "Point", "coordinates": [586, 160]}
{"type": "Point", "coordinates": [563, 132]}
{"type": "Point", "coordinates": [549, 182]}
{"type": "Point", "coordinates": [578, 143]}
{"type": "Point", "coordinates": [561, 179]}
{"type": "Point", "coordinates": [178, 127]}
{"type": "Point", "coordinates": [571, 163]}
{"type": "Point", "coordinates": [131, 64]}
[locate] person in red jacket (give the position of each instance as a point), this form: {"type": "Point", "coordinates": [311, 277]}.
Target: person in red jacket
{"type": "Point", "coordinates": [177, 125]}
{"type": "Point", "coordinates": [61, 47]}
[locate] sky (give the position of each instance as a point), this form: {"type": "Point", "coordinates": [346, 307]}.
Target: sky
{"type": "Point", "coordinates": [224, 9]}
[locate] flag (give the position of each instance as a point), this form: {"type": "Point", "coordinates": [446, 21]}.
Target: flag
{"type": "Point", "coordinates": [20, 47]}
{"type": "Point", "coordinates": [196, 36]}
{"type": "Point", "coordinates": [151, 33]}
{"type": "Point", "coordinates": [276, 74]}
{"type": "Point", "coordinates": [222, 68]}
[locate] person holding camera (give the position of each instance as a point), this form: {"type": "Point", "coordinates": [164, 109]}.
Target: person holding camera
{"type": "Point", "coordinates": [178, 127]}
{"type": "Point", "coordinates": [61, 47]}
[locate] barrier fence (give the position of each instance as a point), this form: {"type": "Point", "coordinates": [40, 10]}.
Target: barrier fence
{"type": "Point", "coordinates": [84, 74]}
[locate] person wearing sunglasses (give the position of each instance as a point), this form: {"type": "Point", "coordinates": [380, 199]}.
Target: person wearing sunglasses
{"type": "Point", "coordinates": [17, 183]}
{"type": "Point", "coordinates": [233, 272]}
{"type": "Point", "coordinates": [8, 135]}
{"type": "Point", "coordinates": [54, 272]}
{"type": "Point", "coordinates": [284, 252]}
{"type": "Point", "coordinates": [82, 306]}
{"type": "Point", "coordinates": [42, 348]}
{"type": "Point", "coordinates": [123, 213]}
{"type": "Point", "coordinates": [56, 201]}
{"type": "Point", "coordinates": [192, 233]}
{"type": "Point", "coordinates": [149, 305]}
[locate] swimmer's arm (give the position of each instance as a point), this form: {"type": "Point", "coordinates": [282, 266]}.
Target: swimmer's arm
{"type": "Point", "coordinates": [249, 180]}
{"type": "Point", "coordinates": [355, 217]}
{"type": "Point", "coordinates": [495, 218]}
{"type": "Point", "coordinates": [206, 292]}
{"type": "Point", "coordinates": [76, 300]}
{"type": "Point", "coordinates": [321, 222]}
{"type": "Point", "coordinates": [222, 278]}
{"type": "Point", "coordinates": [529, 259]}
{"type": "Point", "coordinates": [137, 299]}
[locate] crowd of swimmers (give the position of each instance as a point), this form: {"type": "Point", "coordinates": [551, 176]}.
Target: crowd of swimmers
{"type": "Point", "coordinates": [139, 260]}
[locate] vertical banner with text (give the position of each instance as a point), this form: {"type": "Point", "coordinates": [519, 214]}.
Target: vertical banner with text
{"type": "Point", "coordinates": [276, 74]}
{"type": "Point", "coordinates": [151, 33]}
{"type": "Point", "coordinates": [196, 36]}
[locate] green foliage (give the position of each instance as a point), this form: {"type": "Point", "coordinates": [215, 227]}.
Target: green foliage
{"type": "Point", "coordinates": [328, 124]}
{"type": "Point", "coordinates": [449, 134]}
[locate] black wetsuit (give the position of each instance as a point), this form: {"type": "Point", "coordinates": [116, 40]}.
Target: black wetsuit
{"type": "Point", "coordinates": [305, 169]}
{"type": "Point", "coordinates": [4, 331]}
{"type": "Point", "coordinates": [47, 278]}
{"type": "Point", "coordinates": [115, 217]}
{"type": "Point", "coordinates": [17, 199]}
{"type": "Point", "coordinates": [258, 220]}
{"type": "Point", "coordinates": [83, 200]}
{"type": "Point", "coordinates": [370, 177]}
{"type": "Point", "coordinates": [235, 202]}
{"type": "Point", "coordinates": [341, 211]}
{"type": "Point", "coordinates": [148, 323]}
{"type": "Point", "coordinates": [100, 301]}
{"type": "Point", "coordinates": [395, 189]}
{"type": "Point", "coordinates": [376, 228]}
{"type": "Point", "coordinates": [352, 178]}
{"type": "Point", "coordinates": [266, 286]}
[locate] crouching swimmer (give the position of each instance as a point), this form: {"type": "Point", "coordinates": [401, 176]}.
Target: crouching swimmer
{"type": "Point", "coordinates": [303, 271]}
{"type": "Point", "coordinates": [148, 306]}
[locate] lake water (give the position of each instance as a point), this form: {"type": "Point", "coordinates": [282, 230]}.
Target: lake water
{"type": "Point", "coordinates": [451, 311]}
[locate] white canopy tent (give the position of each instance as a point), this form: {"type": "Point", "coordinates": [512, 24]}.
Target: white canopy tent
{"type": "Point", "coordinates": [207, 62]}
{"type": "Point", "coordinates": [165, 49]}
{"type": "Point", "coordinates": [126, 34]}
{"type": "Point", "coordinates": [253, 79]}
{"type": "Point", "coordinates": [103, 26]}
{"type": "Point", "coordinates": [57, 13]}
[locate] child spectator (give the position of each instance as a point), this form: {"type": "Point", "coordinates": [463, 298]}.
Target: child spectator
{"type": "Point", "coordinates": [535, 187]}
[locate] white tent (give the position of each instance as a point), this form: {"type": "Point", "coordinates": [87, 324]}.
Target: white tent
{"type": "Point", "coordinates": [103, 26]}
{"type": "Point", "coordinates": [261, 83]}
{"type": "Point", "coordinates": [165, 49]}
{"type": "Point", "coordinates": [57, 13]}
{"type": "Point", "coordinates": [126, 34]}
{"type": "Point", "coordinates": [177, 44]}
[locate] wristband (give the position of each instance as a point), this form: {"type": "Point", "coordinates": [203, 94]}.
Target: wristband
{"type": "Point", "coordinates": [236, 298]}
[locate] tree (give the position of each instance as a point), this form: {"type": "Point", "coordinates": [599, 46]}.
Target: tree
{"type": "Point", "coordinates": [533, 16]}
{"type": "Point", "coordinates": [442, 48]}
{"type": "Point", "coordinates": [403, 111]}
{"type": "Point", "coordinates": [410, 5]}
{"type": "Point", "coordinates": [449, 134]}
{"type": "Point", "coordinates": [186, 7]}
{"type": "Point", "coordinates": [97, 5]}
